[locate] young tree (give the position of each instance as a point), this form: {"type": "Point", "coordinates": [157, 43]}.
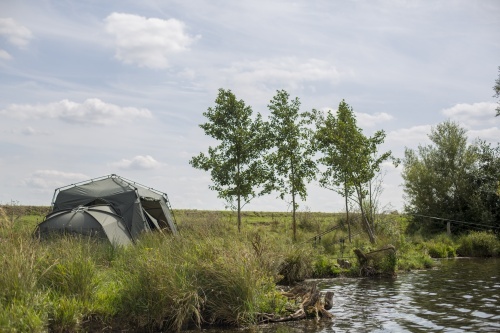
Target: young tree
{"type": "Point", "coordinates": [336, 138]}
{"type": "Point", "coordinates": [350, 158]}
{"type": "Point", "coordinates": [367, 166]}
{"type": "Point", "coordinates": [235, 164]}
{"type": "Point", "coordinates": [291, 157]}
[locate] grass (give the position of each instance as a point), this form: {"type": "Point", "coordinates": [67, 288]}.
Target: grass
{"type": "Point", "coordinates": [211, 275]}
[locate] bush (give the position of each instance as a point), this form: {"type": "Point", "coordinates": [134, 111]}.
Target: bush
{"type": "Point", "coordinates": [297, 265]}
{"type": "Point", "coordinates": [414, 257]}
{"type": "Point", "coordinates": [323, 267]}
{"type": "Point", "coordinates": [441, 246]}
{"type": "Point", "coordinates": [478, 244]}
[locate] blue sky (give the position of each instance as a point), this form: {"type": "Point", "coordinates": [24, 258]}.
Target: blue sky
{"type": "Point", "coordinates": [90, 88]}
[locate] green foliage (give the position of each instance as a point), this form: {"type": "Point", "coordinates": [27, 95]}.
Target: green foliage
{"type": "Point", "coordinates": [325, 266]}
{"type": "Point", "coordinates": [74, 277]}
{"type": "Point", "coordinates": [66, 314]}
{"type": "Point", "coordinates": [441, 246]}
{"type": "Point", "coordinates": [330, 243]}
{"type": "Point", "coordinates": [478, 244]}
{"type": "Point", "coordinates": [235, 164]}
{"type": "Point", "coordinates": [22, 315]}
{"type": "Point", "coordinates": [211, 274]}
{"type": "Point", "coordinates": [414, 259]}
{"type": "Point", "coordinates": [297, 265]}
{"type": "Point", "coordinates": [387, 265]}
{"type": "Point", "coordinates": [440, 250]}
{"type": "Point", "coordinates": [291, 158]}
{"type": "Point", "coordinates": [274, 302]}
{"type": "Point", "coordinates": [350, 158]}
{"type": "Point", "coordinates": [308, 221]}
{"type": "Point", "coordinates": [452, 180]}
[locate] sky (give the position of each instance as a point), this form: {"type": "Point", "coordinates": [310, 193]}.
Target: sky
{"type": "Point", "coordinates": [91, 88]}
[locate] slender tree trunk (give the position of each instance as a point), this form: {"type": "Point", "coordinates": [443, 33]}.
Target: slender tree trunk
{"type": "Point", "coordinates": [293, 219]}
{"type": "Point", "coordinates": [347, 212]}
{"type": "Point", "coordinates": [294, 222]}
{"type": "Point", "coordinates": [368, 226]}
{"type": "Point", "coordinates": [239, 199]}
{"type": "Point", "coordinates": [239, 213]}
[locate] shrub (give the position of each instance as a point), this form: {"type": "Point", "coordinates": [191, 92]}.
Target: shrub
{"type": "Point", "coordinates": [322, 267]}
{"type": "Point", "coordinates": [297, 265]}
{"type": "Point", "coordinates": [414, 257]}
{"type": "Point", "coordinates": [437, 249]}
{"type": "Point", "coordinates": [478, 244]}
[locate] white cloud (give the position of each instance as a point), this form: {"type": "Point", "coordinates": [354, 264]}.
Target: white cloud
{"type": "Point", "coordinates": [488, 134]}
{"type": "Point", "coordinates": [410, 137]}
{"type": "Point", "coordinates": [147, 42]}
{"type": "Point", "coordinates": [470, 115]}
{"type": "Point", "coordinates": [5, 55]}
{"type": "Point", "coordinates": [289, 71]}
{"type": "Point", "coordinates": [16, 33]}
{"type": "Point", "coordinates": [366, 120]}
{"type": "Point", "coordinates": [30, 131]}
{"type": "Point", "coordinates": [139, 162]}
{"type": "Point", "coordinates": [52, 179]}
{"type": "Point", "coordinates": [91, 111]}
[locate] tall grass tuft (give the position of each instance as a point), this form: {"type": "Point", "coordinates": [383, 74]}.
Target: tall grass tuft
{"type": "Point", "coordinates": [171, 283]}
{"type": "Point", "coordinates": [297, 265]}
{"type": "Point", "coordinates": [71, 268]}
{"type": "Point", "coordinates": [23, 308]}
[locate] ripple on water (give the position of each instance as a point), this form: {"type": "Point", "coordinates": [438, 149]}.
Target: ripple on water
{"type": "Point", "coordinates": [481, 314]}
{"type": "Point", "coordinates": [424, 301]}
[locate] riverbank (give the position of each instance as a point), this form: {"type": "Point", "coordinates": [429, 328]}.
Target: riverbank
{"type": "Point", "coordinates": [211, 275]}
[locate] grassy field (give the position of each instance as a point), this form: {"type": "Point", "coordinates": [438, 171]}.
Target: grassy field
{"type": "Point", "coordinates": [210, 275]}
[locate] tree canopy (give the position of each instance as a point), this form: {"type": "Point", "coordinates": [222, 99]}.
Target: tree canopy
{"type": "Point", "coordinates": [350, 158]}
{"type": "Point", "coordinates": [291, 156]}
{"type": "Point", "coordinates": [236, 167]}
{"type": "Point", "coordinates": [338, 138]}
{"type": "Point", "coordinates": [451, 179]}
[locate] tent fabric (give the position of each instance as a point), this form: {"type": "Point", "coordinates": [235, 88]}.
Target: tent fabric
{"type": "Point", "coordinates": [129, 200]}
{"type": "Point", "coordinates": [99, 220]}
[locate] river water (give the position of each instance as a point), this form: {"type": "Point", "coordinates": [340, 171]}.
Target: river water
{"type": "Point", "coordinates": [461, 295]}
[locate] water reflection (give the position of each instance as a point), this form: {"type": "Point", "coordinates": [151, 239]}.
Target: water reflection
{"type": "Point", "coordinates": [463, 295]}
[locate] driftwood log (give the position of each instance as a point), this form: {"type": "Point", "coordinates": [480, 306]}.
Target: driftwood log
{"type": "Point", "coordinates": [309, 302]}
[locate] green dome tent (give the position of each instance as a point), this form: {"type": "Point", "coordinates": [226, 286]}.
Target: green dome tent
{"type": "Point", "coordinates": [96, 221]}
{"type": "Point", "coordinates": [142, 209]}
